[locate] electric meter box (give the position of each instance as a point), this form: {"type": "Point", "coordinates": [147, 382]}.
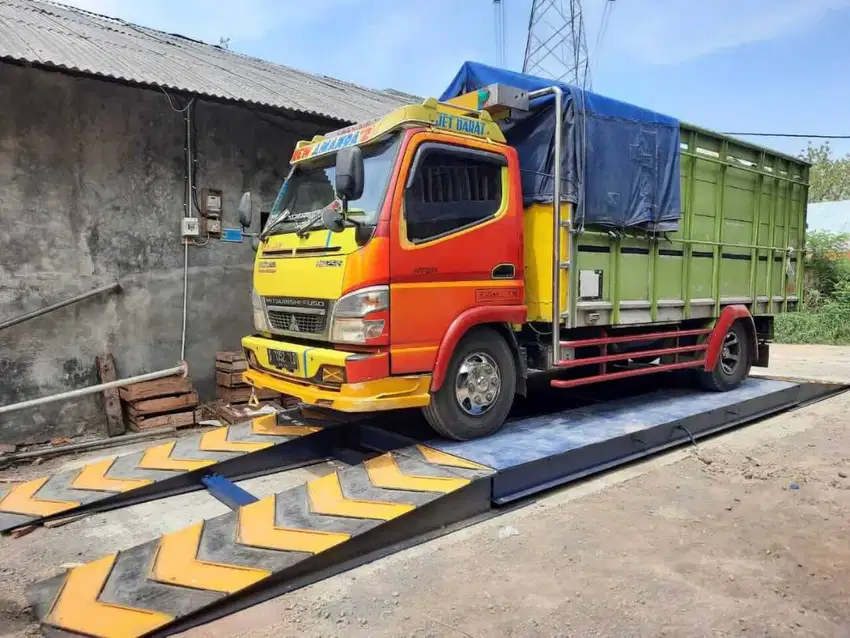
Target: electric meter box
{"type": "Point", "coordinates": [211, 202]}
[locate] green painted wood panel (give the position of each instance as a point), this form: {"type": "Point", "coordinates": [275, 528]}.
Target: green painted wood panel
{"type": "Point", "coordinates": [744, 207]}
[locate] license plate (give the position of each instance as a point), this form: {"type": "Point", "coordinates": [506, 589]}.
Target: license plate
{"type": "Point", "coordinates": [285, 359]}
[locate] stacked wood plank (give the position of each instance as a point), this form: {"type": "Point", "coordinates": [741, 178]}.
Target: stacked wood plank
{"type": "Point", "coordinates": [234, 393]}
{"type": "Point", "coordinates": [230, 387]}
{"type": "Point", "coordinates": [166, 402]}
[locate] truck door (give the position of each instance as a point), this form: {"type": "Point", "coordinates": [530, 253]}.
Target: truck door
{"type": "Point", "coordinates": [456, 242]}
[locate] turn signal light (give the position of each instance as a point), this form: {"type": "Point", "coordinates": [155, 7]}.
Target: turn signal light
{"type": "Point", "coordinates": [333, 375]}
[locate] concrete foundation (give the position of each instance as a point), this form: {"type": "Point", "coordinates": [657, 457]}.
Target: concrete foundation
{"type": "Point", "coordinates": [92, 182]}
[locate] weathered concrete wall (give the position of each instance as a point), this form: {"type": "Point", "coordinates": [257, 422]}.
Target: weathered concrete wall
{"type": "Point", "coordinates": [92, 189]}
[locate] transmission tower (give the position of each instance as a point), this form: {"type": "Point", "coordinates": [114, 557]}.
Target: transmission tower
{"type": "Point", "coordinates": [556, 47]}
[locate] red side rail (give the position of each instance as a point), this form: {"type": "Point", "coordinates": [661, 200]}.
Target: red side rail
{"type": "Point", "coordinates": [601, 341]}
{"type": "Point", "coordinates": [571, 383]}
{"type": "Point", "coordinates": [604, 358]}
{"type": "Point", "coordinates": [575, 363]}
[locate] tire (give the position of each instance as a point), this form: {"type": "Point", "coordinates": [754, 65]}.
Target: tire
{"type": "Point", "coordinates": [452, 411]}
{"type": "Point", "coordinates": [733, 364]}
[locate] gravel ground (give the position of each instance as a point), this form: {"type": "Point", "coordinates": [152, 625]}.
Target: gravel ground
{"type": "Point", "coordinates": [744, 535]}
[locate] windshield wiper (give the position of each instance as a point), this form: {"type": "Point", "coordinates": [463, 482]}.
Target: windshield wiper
{"type": "Point", "coordinates": [306, 226]}
{"type": "Point", "coordinates": [275, 223]}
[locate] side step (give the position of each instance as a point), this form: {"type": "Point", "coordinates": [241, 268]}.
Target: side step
{"type": "Point", "coordinates": [268, 443]}
{"type": "Point", "coordinates": [233, 561]}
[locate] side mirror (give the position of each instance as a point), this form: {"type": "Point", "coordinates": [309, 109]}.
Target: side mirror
{"type": "Point", "coordinates": [246, 212]}
{"type": "Point", "coordinates": [333, 220]}
{"type": "Point", "coordinates": [349, 173]}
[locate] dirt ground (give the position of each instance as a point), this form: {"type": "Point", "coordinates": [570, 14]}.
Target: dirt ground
{"type": "Point", "coordinates": [744, 535]}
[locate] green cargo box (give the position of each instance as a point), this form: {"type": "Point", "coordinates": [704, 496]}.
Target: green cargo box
{"type": "Point", "coordinates": [739, 241]}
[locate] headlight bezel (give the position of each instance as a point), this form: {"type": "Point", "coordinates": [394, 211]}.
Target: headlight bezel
{"type": "Point", "coordinates": [261, 317]}
{"type": "Point", "coordinates": [361, 317]}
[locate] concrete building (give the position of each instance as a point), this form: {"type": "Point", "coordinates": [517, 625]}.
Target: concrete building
{"type": "Point", "coordinates": [93, 176]}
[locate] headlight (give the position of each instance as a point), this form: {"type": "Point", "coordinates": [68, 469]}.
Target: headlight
{"type": "Point", "coordinates": [352, 323]}
{"type": "Point", "coordinates": [261, 322]}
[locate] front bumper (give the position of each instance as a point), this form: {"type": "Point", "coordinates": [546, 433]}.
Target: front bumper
{"type": "Point", "coordinates": [368, 386]}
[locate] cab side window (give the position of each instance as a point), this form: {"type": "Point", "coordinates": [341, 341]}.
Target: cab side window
{"type": "Point", "coordinates": [451, 189]}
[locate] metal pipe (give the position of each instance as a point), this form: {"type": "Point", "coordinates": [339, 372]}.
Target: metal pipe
{"type": "Point", "coordinates": [556, 220]}
{"type": "Point", "coordinates": [101, 387]}
{"type": "Point", "coordinates": [190, 171]}
{"type": "Point", "coordinates": [43, 311]}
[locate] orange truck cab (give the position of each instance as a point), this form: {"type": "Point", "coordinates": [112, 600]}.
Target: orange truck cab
{"type": "Point", "coordinates": [401, 268]}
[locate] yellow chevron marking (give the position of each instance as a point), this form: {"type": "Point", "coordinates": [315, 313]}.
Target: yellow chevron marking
{"type": "Point", "coordinates": [257, 528]}
{"type": "Point", "coordinates": [384, 472]}
{"type": "Point", "coordinates": [93, 477]}
{"type": "Point", "coordinates": [441, 458]}
{"type": "Point", "coordinates": [159, 458]}
{"type": "Point", "coordinates": [267, 424]}
{"type": "Point", "coordinates": [175, 564]}
{"type": "Point", "coordinates": [326, 498]}
{"type": "Point", "coordinates": [216, 441]}
{"type": "Point", "coordinates": [77, 608]}
{"type": "Point", "coordinates": [20, 500]}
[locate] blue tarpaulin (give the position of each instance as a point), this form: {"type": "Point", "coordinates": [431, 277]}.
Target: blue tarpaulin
{"type": "Point", "coordinates": [619, 163]}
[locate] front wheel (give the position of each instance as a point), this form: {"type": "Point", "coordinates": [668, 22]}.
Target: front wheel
{"type": "Point", "coordinates": [733, 364]}
{"type": "Point", "coordinates": [478, 390]}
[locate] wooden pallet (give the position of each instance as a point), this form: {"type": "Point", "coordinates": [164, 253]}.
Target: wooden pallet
{"type": "Point", "coordinates": [161, 403]}
{"type": "Point", "coordinates": [229, 379]}
{"type": "Point", "coordinates": [182, 419]}
{"type": "Point", "coordinates": [149, 407]}
{"type": "Point", "coordinates": [241, 412]}
{"type": "Point", "coordinates": [156, 388]}
{"type": "Point", "coordinates": [230, 362]}
{"type": "Point", "coordinates": [242, 394]}
{"type": "Point", "coordinates": [233, 366]}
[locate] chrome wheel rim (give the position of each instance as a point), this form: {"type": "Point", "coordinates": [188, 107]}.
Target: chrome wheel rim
{"type": "Point", "coordinates": [730, 356]}
{"type": "Point", "coordinates": [478, 383]}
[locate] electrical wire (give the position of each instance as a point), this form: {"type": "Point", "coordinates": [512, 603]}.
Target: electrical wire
{"type": "Point", "coordinates": [174, 108]}
{"type": "Point", "coordinates": [803, 135]}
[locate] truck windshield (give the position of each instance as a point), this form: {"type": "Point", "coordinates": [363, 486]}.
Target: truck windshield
{"type": "Point", "coordinates": [310, 188]}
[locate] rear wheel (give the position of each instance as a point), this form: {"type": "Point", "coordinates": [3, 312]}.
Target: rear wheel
{"type": "Point", "coordinates": [478, 390]}
{"type": "Point", "coordinates": [733, 364]}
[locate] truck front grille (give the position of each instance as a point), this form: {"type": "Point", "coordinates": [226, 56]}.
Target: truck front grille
{"type": "Point", "coordinates": [296, 322]}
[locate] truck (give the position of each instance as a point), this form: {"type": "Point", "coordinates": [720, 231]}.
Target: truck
{"type": "Point", "coordinates": [438, 256]}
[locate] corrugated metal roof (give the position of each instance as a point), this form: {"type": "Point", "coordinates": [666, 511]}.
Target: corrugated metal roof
{"type": "Point", "coordinates": [59, 36]}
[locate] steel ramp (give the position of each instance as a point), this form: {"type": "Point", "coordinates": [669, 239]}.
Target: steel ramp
{"type": "Point", "coordinates": [263, 444]}
{"type": "Point", "coordinates": [245, 553]}
{"type": "Point", "coordinates": [409, 491]}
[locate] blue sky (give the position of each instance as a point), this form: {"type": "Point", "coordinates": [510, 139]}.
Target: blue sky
{"type": "Point", "coordinates": [728, 65]}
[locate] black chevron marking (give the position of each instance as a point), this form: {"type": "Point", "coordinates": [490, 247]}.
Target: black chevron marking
{"type": "Point", "coordinates": [189, 449]}
{"type": "Point", "coordinates": [413, 452]}
{"type": "Point", "coordinates": [129, 585]}
{"type": "Point", "coordinates": [42, 595]}
{"type": "Point", "coordinates": [9, 520]}
{"type": "Point", "coordinates": [356, 485]}
{"type": "Point", "coordinates": [410, 465]}
{"type": "Point", "coordinates": [58, 488]}
{"type": "Point", "coordinates": [292, 510]}
{"type": "Point", "coordinates": [242, 433]}
{"type": "Point", "coordinates": [218, 544]}
{"type": "Point", "coordinates": [127, 467]}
